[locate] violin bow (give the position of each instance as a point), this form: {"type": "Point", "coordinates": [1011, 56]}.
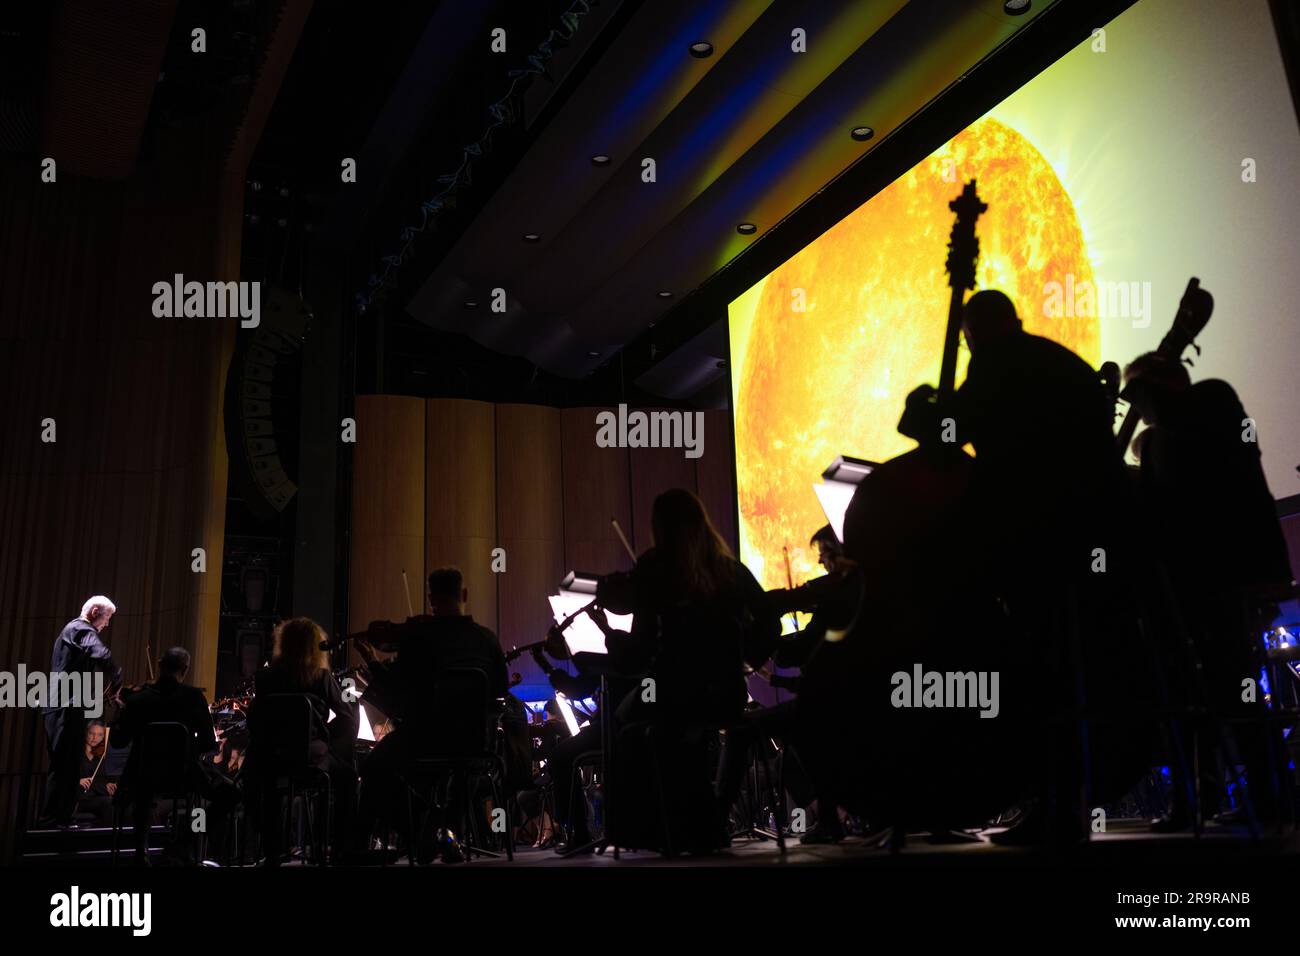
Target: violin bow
{"type": "Point", "coordinates": [789, 580]}
{"type": "Point", "coordinates": [406, 586]}
{"type": "Point", "coordinates": [623, 538]}
{"type": "Point", "coordinates": [95, 772]}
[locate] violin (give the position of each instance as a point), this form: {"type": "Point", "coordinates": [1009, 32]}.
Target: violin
{"type": "Point", "coordinates": [382, 635]}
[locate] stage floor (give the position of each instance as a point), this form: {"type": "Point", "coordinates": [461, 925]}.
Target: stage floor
{"type": "Point", "coordinates": [1127, 843]}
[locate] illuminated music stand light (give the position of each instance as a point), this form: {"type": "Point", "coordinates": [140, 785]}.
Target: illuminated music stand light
{"type": "Point", "coordinates": [583, 635]}
{"type": "Point", "coordinates": [839, 482]}
{"type": "Point", "coordinates": [566, 711]}
{"type": "Point", "coordinates": [577, 590]}
{"type": "Point", "coordinates": [364, 730]}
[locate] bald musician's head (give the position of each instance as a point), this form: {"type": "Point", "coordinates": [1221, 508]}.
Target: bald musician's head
{"type": "Point", "coordinates": [988, 315]}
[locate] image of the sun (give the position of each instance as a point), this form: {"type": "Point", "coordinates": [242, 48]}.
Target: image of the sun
{"type": "Point", "coordinates": [831, 343]}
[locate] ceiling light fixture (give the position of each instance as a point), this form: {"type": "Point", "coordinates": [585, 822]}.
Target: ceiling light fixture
{"type": "Point", "coordinates": [600, 159]}
{"type": "Point", "coordinates": [531, 237]}
{"type": "Point", "coordinates": [747, 229]}
{"type": "Point", "coordinates": [665, 294]}
{"type": "Point", "coordinates": [1015, 8]}
{"type": "Point", "coordinates": [701, 49]}
{"type": "Point", "coordinates": [862, 133]}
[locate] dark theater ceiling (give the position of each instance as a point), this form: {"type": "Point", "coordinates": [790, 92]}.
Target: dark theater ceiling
{"type": "Point", "coordinates": [744, 135]}
{"type": "Point", "coordinates": [620, 276]}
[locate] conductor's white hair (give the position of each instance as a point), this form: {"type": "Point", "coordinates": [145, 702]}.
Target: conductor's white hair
{"type": "Point", "coordinates": [97, 601]}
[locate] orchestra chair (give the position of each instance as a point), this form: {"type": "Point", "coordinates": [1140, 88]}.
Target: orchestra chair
{"type": "Point", "coordinates": [460, 733]}
{"type": "Point", "coordinates": [655, 740]}
{"type": "Point", "coordinates": [761, 749]}
{"type": "Point", "coordinates": [280, 738]}
{"type": "Point", "coordinates": [592, 760]}
{"type": "Point", "coordinates": [604, 759]}
{"type": "Point", "coordinates": [160, 771]}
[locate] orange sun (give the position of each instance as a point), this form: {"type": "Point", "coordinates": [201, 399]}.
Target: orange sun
{"type": "Point", "coordinates": [843, 331]}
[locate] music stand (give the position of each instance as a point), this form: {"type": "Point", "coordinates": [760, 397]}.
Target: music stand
{"type": "Point", "coordinates": [581, 587]}
{"type": "Point", "coordinates": [839, 482]}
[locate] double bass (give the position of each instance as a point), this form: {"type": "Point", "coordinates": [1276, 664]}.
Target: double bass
{"type": "Point", "coordinates": [903, 528]}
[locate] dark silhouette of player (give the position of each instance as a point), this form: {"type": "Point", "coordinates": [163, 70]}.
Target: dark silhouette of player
{"type": "Point", "coordinates": [1214, 527]}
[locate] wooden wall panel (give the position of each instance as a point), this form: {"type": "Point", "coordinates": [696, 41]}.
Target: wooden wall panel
{"type": "Point", "coordinates": [654, 471]}
{"type": "Point", "coordinates": [527, 478]}
{"type": "Point", "coordinates": [596, 489]}
{"type": "Point", "coordinates": [388, 525]}
{"type": "Point", "coordinates": [715, 474]}
{"type": "Point", "coordinates": [461, 498]}
{"type": "Point", "coordinates": [530, 519]}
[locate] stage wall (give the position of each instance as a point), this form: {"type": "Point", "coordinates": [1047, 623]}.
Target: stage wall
{"type": "Point", "coordinates": [445, 481]}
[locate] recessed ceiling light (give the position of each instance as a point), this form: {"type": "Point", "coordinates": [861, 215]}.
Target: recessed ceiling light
{"type": "Point", "coordinates": [862, 133]}
{"type": "Point", "coordinates": [701, 49]}
{"type": "Point", "coordinates": [531, 237]}
{"type": "Point", "coordinates": [600, 159]}
{"type": "Point", "coordinates": [594, 354]}
{"type": "Point", "coordinates": [471, 304]}
{"type": "Point", "coordinates": [665, 294]}
{"type": "Point", "coordinates": [1016, 7]}
{"type": "Point", "coordinates": [747, 229]}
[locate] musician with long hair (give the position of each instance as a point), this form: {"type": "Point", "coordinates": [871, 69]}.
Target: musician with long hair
{"type": "Point", "coordinates": [299, 666]}
{"type": "Point", "coordinates": [700, 619]}
{"type": "Point", "coordinates": [97, 785]}
{"type": "Point", "coordinates": [700, 616]}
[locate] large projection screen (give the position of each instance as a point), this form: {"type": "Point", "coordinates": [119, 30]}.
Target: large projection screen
{"type": "Point", "coordinates": [1163, 148]}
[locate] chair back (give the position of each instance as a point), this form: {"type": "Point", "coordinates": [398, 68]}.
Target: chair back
{"type": "Point", "coordinates": [162, 758]}
{"type": "Point", "coordinates": [280, 733]}
{"type": "Point", "coordinates": [457, 722]}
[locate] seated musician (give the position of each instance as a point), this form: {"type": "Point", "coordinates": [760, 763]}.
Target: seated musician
{"type": "Point", "coordinates": [700, 619]}
{"type": "Point", "coordinates": [447, 638]}
{"type": "Point", "coordinates": [97, 787]}
{"type": "Point", "coordinates": [170, 700]}
{"type": "Point", "coordinates": [833, 600]}
{"type": "Point", "coordinates": [299, 666]}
